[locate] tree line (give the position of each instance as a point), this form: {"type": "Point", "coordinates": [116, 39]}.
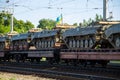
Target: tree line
{"type": "Point", "coordinates": [23, 26]}
{"type": "Point", "coordinates": [19, 25]}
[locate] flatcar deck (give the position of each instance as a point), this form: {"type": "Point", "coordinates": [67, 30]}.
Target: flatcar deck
{"type": "Point", "coordinates": [100, 54]}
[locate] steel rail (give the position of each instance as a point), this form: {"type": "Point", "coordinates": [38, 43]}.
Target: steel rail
{"type": "Point", "coordinates": [56, 73]}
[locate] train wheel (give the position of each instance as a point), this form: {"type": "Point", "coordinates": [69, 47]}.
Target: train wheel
{"type": "Point", "coordinates": [4, 59]}
{"type": "Point", "coordinates": [91, 43]}
{"type": "Point", "coordinates": [17, 58]}
{"type": "Point", "coordinates": [86, 43]}
{"type": "Point", "coordinates": [24, 45]}
{"type": "Point", "coordinates": [50, 60]}
{"type": "Point", "coordinates": [84, 63]}
{"type": "Point", "coordinates": [39, 44]}
{"type": "Point", "coordinates": [38, 60]}
{"type": "Point", "coordinates": [74, 43]}
{"type": "Point", "coordinates": [48, 44]}
{"type": "Point", "coordinates": [81, 43]}
{"type": "Point", "coordinates": [92, 63]}
{"type": "Point", "coordinates": [70, 43]}
{"type": "Point", "coordinates": [67, 62]}
{"type": "Point", "coordinates": [8, 59]}
{"type": "Point", "coordinates": [57, 61]}
{"type": "Point", "coordinates": [2, 46]}
{"type": "Point", "coordinates": [117, 42]}
{"type": "Point", "coordinates": [104, 65]}
{"type": "Point", "coordinates": [23, 59]}
{"type": "Point", "coordinates": [36, 45]}
{"type": "Point", "coordinates": [31, 60]}
{"type": "Point", "coordinates": [52, 43]}
{"type": "Point", "coordinates": [75, 62]}
{"type": "Point", "coordinates": [42, 44]}
{"type": "Point", "coordinates": [78, 43]}
{"type": "Point", "coordinates": [45, 44]}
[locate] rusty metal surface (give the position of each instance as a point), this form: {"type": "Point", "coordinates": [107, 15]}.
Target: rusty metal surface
{"type": "Point", "coordinates": [99, 55]}
{"type": "Point", "coordinates": [91, 55]}
{"type": "Point", "coordinates": [68, 55]}
{"type": "Point", "coordinates": [41, 54]}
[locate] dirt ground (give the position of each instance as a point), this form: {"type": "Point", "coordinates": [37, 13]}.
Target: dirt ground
{"type": "Point", "coordinates": [14, 76]}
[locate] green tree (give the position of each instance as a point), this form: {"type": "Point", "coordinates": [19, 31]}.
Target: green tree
{"type": "Point", "coordinates": [86, 23]}
{"type": "Point", "coordinates": [75, 24]}
{"type": "Point", "coordinates": [4, 29]}
{"type": "Point", "coordinates": [1, 19]}
{"type": "Point", "coordinates": [89, 21]}
{"type": "Point", "coordinates": [19, 25]}
{"type": "Point", "coordinates": [98, 17]}
{"type": "Point", "coordinates": [46, 24]}
{"type": "Point", "coordinates": [4, 23]}
{"type": "Point", "coordinates": [28, 25]}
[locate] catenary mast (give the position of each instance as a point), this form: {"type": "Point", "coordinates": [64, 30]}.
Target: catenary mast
{"type": "Point", "coordinates": [104, 9]}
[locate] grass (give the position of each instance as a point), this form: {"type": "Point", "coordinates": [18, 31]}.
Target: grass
{"type": "Point", "coordinates": [12, 78]}
{"type": "Point", "coordinates": [115, 62]}
{"type": "Point", "coordinates": [2, 79]}
{"type": "Point", "coordinates": [8, 79]}
{"type": "Point", "coordinates": [43, 59]}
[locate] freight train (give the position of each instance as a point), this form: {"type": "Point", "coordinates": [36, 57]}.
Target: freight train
{"type": "Point", "coordinates": [96, 43]}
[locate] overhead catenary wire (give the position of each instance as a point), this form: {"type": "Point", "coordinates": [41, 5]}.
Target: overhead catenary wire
{"type": "Point", "coordinates": [58, 7]}
{"type": "Point", "coordinates": [53, 7]}
{"type": "Point", "coordinates": [69, 7]}
{"type": "Point", "coordinates": [63, 2]}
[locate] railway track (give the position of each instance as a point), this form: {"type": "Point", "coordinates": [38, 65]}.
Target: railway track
{"type": "Point", "coordinates": [54, 73]}
{"type": "Point", "coordinates": [62, 71]}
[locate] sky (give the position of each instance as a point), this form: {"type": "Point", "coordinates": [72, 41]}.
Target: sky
{"type": "Point", "coordinates": [73, 11]}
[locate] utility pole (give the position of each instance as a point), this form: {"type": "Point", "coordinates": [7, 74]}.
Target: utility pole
{"type": "Point", "coordinates": [104, 9]}
{"type": "Point", "coordinates": [11, 28]}
{"type": "Point", "coordinates": [11, 12]}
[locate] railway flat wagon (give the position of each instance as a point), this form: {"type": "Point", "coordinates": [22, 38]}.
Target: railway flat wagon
{"type": "Point", "coordinates": [92, 57]}
{"type": "Point", "coordinates": [46, 44]}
